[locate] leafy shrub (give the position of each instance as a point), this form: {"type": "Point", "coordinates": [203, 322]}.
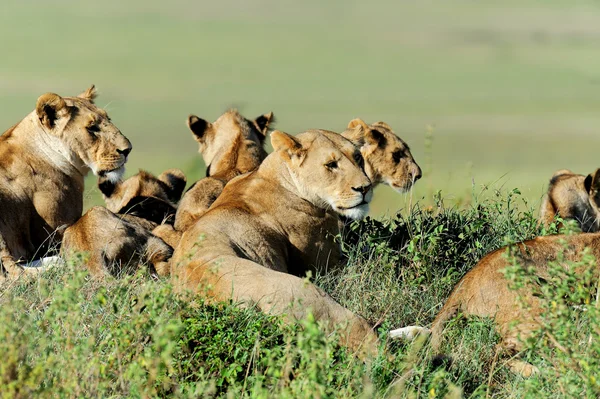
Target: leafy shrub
{"type": "Point", "coordinates": [68, 335]}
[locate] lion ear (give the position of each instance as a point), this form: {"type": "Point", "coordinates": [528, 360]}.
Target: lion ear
{"type": "Point", "coordinates": [198, 126]}
{"type": "Point", "coordinates": [592, 182]}
{"type": "Point", "coordinates": [175, 181]}
{"type": "Point", "coordinates": [383, 125]}
{"type": "Point", "coordinates": [355, 134]}
{"type": "Point", "coordinates": [284, 142]}
{"type": "Point", "coordinates": [263, 122]}
{"type": "Point", "coordinates": [49, 108]}
{"type": "Point", "coordinates": [90, 94]}
{"type": "Point", "coordinates": [358, 122]}
{"type": "Point", "coordinates": [375, 137]}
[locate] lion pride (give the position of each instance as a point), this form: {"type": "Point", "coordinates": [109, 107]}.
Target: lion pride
{"type": "Point", "coordinates": [263, 221]}
{"type": "Point", "coordinates": [43, 161]}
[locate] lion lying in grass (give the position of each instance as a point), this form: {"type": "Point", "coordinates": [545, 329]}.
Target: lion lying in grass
{"type": "Point", "coordinates": [231, 146]}
{"type": "Point", "coordinates": [263, 222]}
{"type": "Point", "coordinates": [43, 161]}
{"type": "Point", "coordinates": [573, 197]}
{"type": "Point", "coordinates": [484, 291]}
{"type": "Point", "coordinates": [118, 240]}
{"type": "Point", "coordinates": [386, 159]}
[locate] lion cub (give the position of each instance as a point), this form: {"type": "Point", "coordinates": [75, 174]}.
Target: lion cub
{"type": "Point", "coordinates": [43, 161]}
{"type": "Point", "coordinates": [231, 146]}
{"type": "Point", "coordinates": [119, 238]}
{"type": "Point", "coordinates": [575, 197]}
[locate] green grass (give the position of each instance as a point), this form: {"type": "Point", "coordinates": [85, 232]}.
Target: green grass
{"type": "Point", "coordinates": [68, 335]}
{"type": "Point", "coordinates": [510, 87]}
{"type": "Point", "coordinates": [507, 90]}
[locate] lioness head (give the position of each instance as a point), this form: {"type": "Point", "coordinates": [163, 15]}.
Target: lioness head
{"type": "Point", "coordinates": [144, 190]}
{"type": "Point", "coordinates": [327, 170]}
{"type": "Point", "coordinates": [387, 157]}
{"type": "Point", "coordinates": [231, 137]}
{"type": "Point", "coordinates": [573, 197]}
{"type": "Point", "coordinates": [84, 134]}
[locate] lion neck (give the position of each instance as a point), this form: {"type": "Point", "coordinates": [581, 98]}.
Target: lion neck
{"type": "Point", "coordinates": [368, 155]}
{"type": "Point", "coordinates": [277, 169]}
{"type": "Point", "coordinates": [241, 157]}
{"type": "Point", "coordinates": [50, 149]}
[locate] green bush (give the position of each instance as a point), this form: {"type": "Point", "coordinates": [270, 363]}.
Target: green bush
{"type": "Point", "coordinates": [67, 335]}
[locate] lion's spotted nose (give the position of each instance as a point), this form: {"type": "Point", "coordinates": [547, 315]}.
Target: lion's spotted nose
{"type": "Point", "coordinates": [416, 173]}
{"type": "Point", "coordinates": [363, 189]}
{"type": "Point", "coordinates": [124, 151]}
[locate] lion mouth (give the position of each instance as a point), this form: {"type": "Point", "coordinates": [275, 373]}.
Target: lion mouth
{"type": "Point", "coordinates": [345, 208]}
{"type": "Point", "coordinates": [402, 188]}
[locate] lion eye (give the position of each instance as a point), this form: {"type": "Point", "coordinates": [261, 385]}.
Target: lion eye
{"type": "Point", "coordinates": [93, 129]}
{"type": "Point", "coordinates": [358, 159]}
{"type": "Point", "coordinates": [397, 155]}
{"type": "Point", "coordinates": [331, 164]}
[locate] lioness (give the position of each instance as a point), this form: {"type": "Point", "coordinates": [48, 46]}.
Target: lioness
{"type": "Point", "coordinates": [262, 223]}
{"type": "Point", "coordinates": [43, 161]}
{"type": "Point", "coordinates": [231, 146]}
{"type": "Point", "coordinates": [115, 245]}
{"type": "Point", "coordinates": [145, 196]}
{"type": "Point", "coordinates": [388, 160]}
{"type": "Point", "coordinates": [575, 197]}
{"type": "Point", "coordinates": [118, 239]}
{"type": "Point", "coordinates": [485, 292]}
{"type": "Point", "coordinates": [387, 157]}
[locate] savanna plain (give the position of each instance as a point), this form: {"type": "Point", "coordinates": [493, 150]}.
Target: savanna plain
{"type": "Point", "coordinates": [492, 97]}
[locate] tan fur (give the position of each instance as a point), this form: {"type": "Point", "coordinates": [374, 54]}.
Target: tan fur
{"type": "Point", "coordinates": [117, 239]}
{"type": "Point", "coordinates": [262, 225]}
{"type": "Point", "coordinates": [168, 234]}
{"type": "Point", "coordinates": [43, 161]}
{"type": "Point", "coordinates": [143, 193]}
{"type": "Point", "coordinates": [388, 160]}
{"type": "Point", "coordinates": [573, 197]}
{"type": "Point", "coordinates": [115, 245]}
{"type": "Point", "coordinates": [387, 157]}
{"type": "Point", "coordinates": [485, 292]}
{"type": "Point", "coordinates": [231, 146]}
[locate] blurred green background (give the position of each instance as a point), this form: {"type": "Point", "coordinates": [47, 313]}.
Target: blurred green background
{"type": "Point", "coordinates": [508, 91]}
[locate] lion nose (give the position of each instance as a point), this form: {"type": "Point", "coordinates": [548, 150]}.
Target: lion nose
{"type": "Point", "coordinates": [124, 151]}
{"type": "Point", "coordinates": [363, 189]}
{"type": "Point", "coordinates": [416, 173]}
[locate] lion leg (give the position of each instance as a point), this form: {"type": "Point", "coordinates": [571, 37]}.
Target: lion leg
{"type": "Point", "coordinates": [8, 266]}
{"type": "Point", "coordinates": [409, 333]}
{"type": "Point", "coordinates": [521, 367]}
{"type": "Point", "coordinates": [514, 337]}
{"type": "Point", "coordinates": [158, 254]}
{"type": "Point", "coordinates": [229, 277]}
{"type": "Point", "coordinates": [168, 234]}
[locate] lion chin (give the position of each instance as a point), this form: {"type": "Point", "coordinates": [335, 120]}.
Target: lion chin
{"type": "Point", "coordinates": [354, 213]}
{"type": "Point", "coordinates": [113, 176]}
